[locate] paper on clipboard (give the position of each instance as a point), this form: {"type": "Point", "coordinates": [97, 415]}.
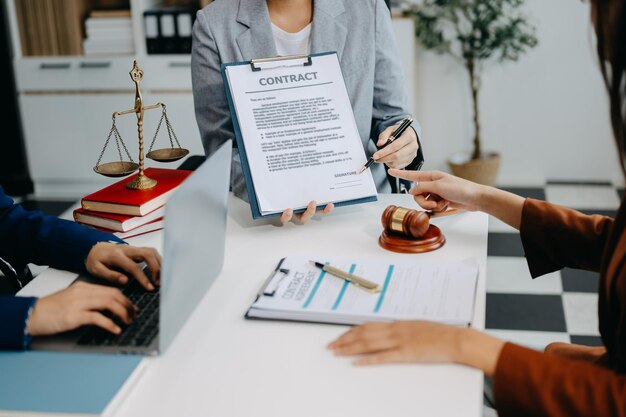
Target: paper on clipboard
{"type": "Point", "coordinates": [440, 291]}
{"type": "Point", "coordinates": [298, 133]}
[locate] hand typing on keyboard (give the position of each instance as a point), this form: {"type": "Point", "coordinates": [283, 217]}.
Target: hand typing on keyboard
{"type": "Point", "coordinates": [81, 304]}
{"type": "Point", "coordinates": [141, 332]}
{"type": "Point", "coordinates": [118, 263]}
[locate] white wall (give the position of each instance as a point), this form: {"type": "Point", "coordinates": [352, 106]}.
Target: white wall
{"type": "Point", "coordinates": [546, 114]}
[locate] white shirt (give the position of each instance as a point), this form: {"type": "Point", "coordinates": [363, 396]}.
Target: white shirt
{"type": "Point", "coordinates": [298, 43]}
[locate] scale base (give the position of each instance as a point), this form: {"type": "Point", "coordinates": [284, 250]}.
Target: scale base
{"type": "Point", "coordinates": [141, 182]}
{"type": "Point", "coordinates": [433, 239]}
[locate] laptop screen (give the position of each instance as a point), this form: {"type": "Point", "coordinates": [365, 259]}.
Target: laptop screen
{"type": "Point", "coordinates": [193, 247]}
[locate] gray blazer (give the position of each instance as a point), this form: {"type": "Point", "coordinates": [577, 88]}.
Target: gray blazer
{"type": "Point", "coordinates": [358, 30]}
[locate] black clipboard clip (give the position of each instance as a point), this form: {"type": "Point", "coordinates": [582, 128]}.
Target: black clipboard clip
{"type": "Point", "coordinates": [273, 280]}
{"type": "Point", "coordinates": [257, 64]}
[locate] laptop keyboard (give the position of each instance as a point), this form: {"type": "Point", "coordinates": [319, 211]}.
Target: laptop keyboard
{"type": "Point", "coordinates": [140, 333]}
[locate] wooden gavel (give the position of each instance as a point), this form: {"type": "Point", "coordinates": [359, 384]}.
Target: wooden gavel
{"type": "Point", "coordinates": [406, 222]}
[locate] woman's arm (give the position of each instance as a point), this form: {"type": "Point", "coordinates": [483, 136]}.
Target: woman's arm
{"type": "Point", "coordinates": [437, 191]}
{"type": "Point", "coordinates": [211, 105]}
{"type": "Point", "coordinates": [390, 98]}
{"type": "Point", "coordinates": [527, 383]}
{"type": "Point", "coordinates": [419, 341]}
{"type": "Point", "coordinates": [530, 383]}
{"type": "Point", "coordinates": [209, 97]}
{"type": "Point", "coordinates": [553, 236]}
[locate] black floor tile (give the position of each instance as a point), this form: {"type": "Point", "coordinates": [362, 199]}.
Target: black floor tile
{"type": "Point", "coordinates": [569, 182]}
{"type": "Point", "coordinates": [577, 280]}
{"type": "Point", "coordinates": [5, 287]}
{"type": "Point", "coordinates": [53, 208]}
{"type": "Point", "coordinates": [525, 312]}
{"type": "Point", "coordinates": [610, 213]}
{"type": "Point", "coordinates": [504, 244]}
{"type": "Point", "coordinates": [536, 193]}
{"type": "Point", "coordinates": [586, 340]}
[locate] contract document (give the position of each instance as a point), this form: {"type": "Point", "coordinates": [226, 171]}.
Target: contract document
{"type": "Point", "coordinates": [437, 291]}
{"type": "Point", "coordinates": [296, 133]}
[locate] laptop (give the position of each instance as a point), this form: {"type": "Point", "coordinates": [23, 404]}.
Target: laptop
{"type": "Point", "coordinates": [193, 255]}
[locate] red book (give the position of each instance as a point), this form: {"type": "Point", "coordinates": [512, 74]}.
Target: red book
{"type": "Point", "coordinates": [116, 222]}
{"type": "Point", "coordinates": [142, 230]}
{"type": "Point", "coordinates": [118, 199]}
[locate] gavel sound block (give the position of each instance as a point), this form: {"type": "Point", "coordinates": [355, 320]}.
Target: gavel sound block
{"type": "Point", "coordinates": [409, 231]}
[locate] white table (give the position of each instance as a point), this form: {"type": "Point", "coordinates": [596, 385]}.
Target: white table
{"type": "Point", "coordinates": [223, 365]}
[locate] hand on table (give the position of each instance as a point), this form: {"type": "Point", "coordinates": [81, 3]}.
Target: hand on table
{"type": "Point", "coordinates": [438, 191]}
{"type": "Point", "coordinates": [419, 341]}
{"type": "Point", "coordinates": [401, 341]}
{"type": "Point", "coordinates": [116, 263]}
{"type": "Point", "coordinates": [302, 218]}
{"type": "Point", "coordinates": [80, 304]}
{"type": "Point", "coordinates": [399, 153]}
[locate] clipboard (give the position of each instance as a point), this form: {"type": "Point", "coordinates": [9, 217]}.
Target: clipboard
{"type": "Point", "coordinates": [256, 66]}
{"type": "Point", "coordinates": [296, 292]}
{"type": "Point", "coordinates": [268, 289]}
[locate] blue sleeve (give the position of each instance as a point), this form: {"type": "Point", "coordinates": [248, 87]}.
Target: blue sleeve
{"type": "Point", "coordinates": [14, 312]}
{"type": "Point", "coordinates": [33, 237]}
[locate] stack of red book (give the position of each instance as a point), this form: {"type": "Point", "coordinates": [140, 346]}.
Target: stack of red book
{"type": "Point", "coordinates": [128, 213]}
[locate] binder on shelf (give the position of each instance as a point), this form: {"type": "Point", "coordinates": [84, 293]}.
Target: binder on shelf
{"type": "Point", "coordinates": [168, 30]}
{"type": "Point", "coordinates": [184, 26]}
{"type": "Point", "coordinates": [167, 25]}
{"type": "Point", "coordinates": [151, 27]}
{"type": "Point", "coordinates": [257, 65]}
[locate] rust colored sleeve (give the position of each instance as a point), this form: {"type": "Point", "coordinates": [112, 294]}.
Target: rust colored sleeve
{"type": "Point", "coordinates": [531, 383]}
{"type": "Point", "coordinates": [555, 237]}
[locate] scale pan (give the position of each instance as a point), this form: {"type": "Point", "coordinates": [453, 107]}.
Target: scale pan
{"type": "Point", "coordinates": [167, 154]}
{"type": "Point", "coordinates": [116, 169]}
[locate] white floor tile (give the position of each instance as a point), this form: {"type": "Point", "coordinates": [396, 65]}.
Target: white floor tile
{"type": "Point", "coordinates": [36, 269]}
{"type": "Point", "coordinates": [583, 196]}
{"type": "Point", "coordinates": [510, 275]}
{"type": "Point", "coordinates": [489, 412]}
{"type": "Point", "coordinates": [581, 313]}
{"type": "Point", "coordinates": [497, 226]}
{"type": "Point", "coordinates": [531, 339]}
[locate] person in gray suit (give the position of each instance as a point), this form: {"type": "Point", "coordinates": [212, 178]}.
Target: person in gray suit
{"type": "Point", "coordinates": [358, 30]}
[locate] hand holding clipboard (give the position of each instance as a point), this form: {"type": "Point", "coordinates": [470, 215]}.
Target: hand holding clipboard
{"type": "Point", "coordinates": [299, 145]}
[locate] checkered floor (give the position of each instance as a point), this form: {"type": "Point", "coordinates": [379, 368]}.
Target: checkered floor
{"type": "Point", "coordinates": [561, 306]}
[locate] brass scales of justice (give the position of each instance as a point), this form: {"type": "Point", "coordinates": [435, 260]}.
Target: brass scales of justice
{"type": "Point", "coordinates": [123, 168]}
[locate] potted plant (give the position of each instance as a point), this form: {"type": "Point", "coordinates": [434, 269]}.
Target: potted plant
{"type": "Point", "coordinates": [474, 31]}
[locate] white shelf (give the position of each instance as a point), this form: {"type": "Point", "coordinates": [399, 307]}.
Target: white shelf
{"type": "Point", "coordinates": [101, 73]}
